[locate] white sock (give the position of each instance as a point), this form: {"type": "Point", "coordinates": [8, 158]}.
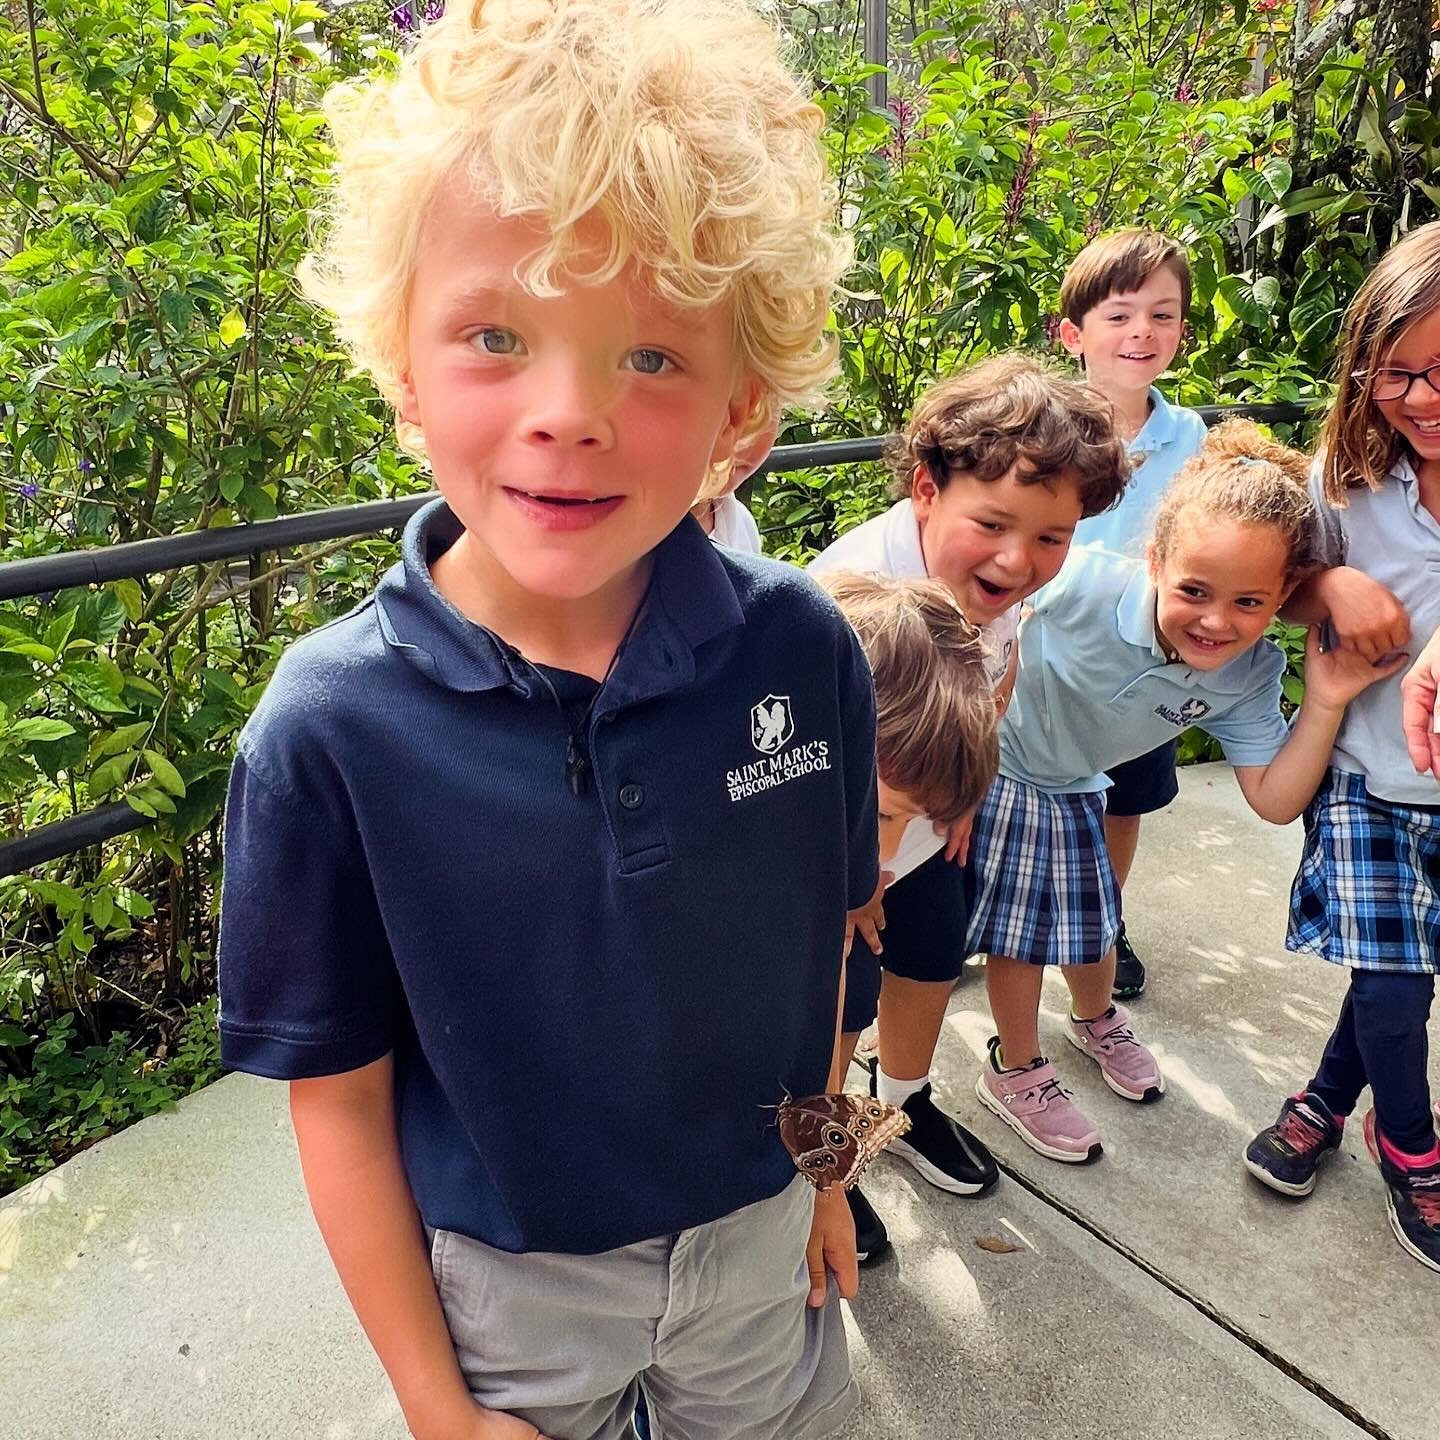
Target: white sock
{"type": "Point", "coordinates": [890, 1091]}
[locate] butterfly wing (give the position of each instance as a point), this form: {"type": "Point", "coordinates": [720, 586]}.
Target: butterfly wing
{"type": "Point", "coordinates": [832, 1138]}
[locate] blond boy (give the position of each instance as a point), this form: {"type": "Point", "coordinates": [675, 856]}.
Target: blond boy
{"type": "Point", "coordinates": [579, 247]}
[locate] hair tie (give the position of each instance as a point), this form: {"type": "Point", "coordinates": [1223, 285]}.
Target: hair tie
{"type": "Point", "coordinates": [1250, 460]}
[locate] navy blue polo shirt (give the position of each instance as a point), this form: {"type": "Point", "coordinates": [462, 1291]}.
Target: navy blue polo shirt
{"type": "Point", "coordinates": [591, 1000]}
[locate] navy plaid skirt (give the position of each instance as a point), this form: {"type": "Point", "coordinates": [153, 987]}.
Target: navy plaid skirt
{"type": "Point", "coordinates": [1367, 894]}
{"type": "Point", "coordinates": [1041, 885]}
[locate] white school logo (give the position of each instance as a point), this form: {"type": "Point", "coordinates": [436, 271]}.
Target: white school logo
{"type": "Point", "coordinates": [771, 723]}
{"type": "Point", "coordinates": [1191, 711]}
{"type": "Point", "coordinates": [772, 727]}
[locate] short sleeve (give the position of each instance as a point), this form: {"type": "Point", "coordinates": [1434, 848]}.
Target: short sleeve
{"type": "Point", "coordinates": [307, 981]}
{"type": "Point", "coordinates": [1253, 732]}
{"type": "Point", "coordinates": [1331, 536]}
{"type": "Point", "coordinates": [857, 738]}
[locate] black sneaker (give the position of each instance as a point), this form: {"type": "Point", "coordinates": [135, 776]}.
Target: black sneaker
{"type": "Point", "coordinates": [1413, 1199]}
{"type": "Point", "coordinates": [1286, 1155]}
{"type": "Point", "coordinates": [1129, 971]}
{"type": "Point", "coordinates": [942, 1149]}
{"type": "Point", "coordinates": [871, 1238]}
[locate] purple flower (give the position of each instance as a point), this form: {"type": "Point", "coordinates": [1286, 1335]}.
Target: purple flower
{"type": "Point", "coordinates": [1185, 93]}
{"type": "Point", "coordinates": [86, 466]}
{"type": "Point", "coordinates": [46, 597]}
{"type": "Point", "coordinates": [29, 489]}
{"type": "Point", "coordinates": [434, 10]}
{"type": "Point", "coordinates": [402, 17]}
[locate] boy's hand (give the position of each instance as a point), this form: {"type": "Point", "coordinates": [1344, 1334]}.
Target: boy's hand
{"type": "Point", "coordinates": [832, 1247]}
{"type": "Point", "coordinates": [1333, 678]}
{"type": "Point", "coordinates": [481, 1424]}
{"type": "Point", "coordinates": [1366, 617]}
{"type": "Point", "coordinates": [957, 838]}
{"type": "Point", "coordinates": [869, 919]}
{"type": "Point", "coordinates": [1418, 696]}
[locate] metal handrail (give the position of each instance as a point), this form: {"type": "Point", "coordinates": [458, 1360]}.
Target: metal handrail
{"type": "Point", "coordinates": [47, 573]}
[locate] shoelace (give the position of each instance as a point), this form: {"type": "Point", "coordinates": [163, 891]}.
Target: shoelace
{"type": "Point", "coordinates": [1048, 1090]}
{"type": "Point", "coordinates": [1302, 1135]}
{"type": "Point", "coordinates": [1425, 1197]}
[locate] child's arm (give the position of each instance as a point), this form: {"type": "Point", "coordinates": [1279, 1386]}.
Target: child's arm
{"type": "Point", "coordinates": [1418, 700]}
{"type": "Point", "coordinates": [350, 1156]}
{"type": "Point", "coordinates": [831, 1248]}
{"type": "Point", "coordinates": [1281, 790]}
{"type": "Point", "coordinates": [1365, 616]}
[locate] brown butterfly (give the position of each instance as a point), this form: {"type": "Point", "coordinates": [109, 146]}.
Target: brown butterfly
{"type": "Point", "coordinates": [832, 1138]}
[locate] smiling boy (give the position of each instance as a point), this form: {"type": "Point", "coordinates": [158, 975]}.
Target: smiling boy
{"type": "Point", "coordinates": [995, 469]}
{"type": "Point", "coordinates": [1123, 304]}
{"type": "Point", "coordinates": [578, 247]}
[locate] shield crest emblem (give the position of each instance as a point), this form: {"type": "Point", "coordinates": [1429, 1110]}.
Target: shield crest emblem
{"type": "Point", "coordinates": [771, 724]}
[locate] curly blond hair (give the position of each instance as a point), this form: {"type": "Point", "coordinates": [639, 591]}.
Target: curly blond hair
{"type": "Point", "coordinates": [674, 122]}
{"type": "Point", "coordinates": [1242, 475]}
{"type": "Point", "coordinates": [936, 735]}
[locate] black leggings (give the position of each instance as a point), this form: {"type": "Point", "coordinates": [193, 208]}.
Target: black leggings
{"type": "Point", "coordinates": [1380, 1041]}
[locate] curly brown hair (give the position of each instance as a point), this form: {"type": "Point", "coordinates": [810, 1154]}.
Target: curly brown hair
{"type": "Point", "coordinates": [1241, 474]}
{"type": "Point", "coordinates": [936, 736]}
{"type": "Point", "coordinates": [1014, 413]}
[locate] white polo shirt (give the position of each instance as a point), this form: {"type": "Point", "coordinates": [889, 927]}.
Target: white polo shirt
{"type": "Point", "coordinates": [889, 545]}
{"type": "Point", "coordinates": [1094, 688]}
{"type": "Point", "coordinates": [735, 526]}
{"type": "Point", "coordinates": [1390, 535]}
{"type": "Point", "coordinates": [1169, 438]}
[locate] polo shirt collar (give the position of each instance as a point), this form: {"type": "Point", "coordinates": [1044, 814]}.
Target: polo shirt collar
{"type": "Point", "coordinates": [691, 600]}
{"type": "Point", "coordinates": [904, 554]}
{"type": "Point", "coordinates": [1135, 613]}
{"type": "Point", "coordinates": [1159, 428]}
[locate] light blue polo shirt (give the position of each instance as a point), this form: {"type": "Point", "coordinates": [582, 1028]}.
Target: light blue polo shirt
{"type": "Point", "coordinates": [1170, 437]}
{"type": "Point", "coordinates": [1094, 689]}
{"type": "Point", "coordinates": [1390, 535]}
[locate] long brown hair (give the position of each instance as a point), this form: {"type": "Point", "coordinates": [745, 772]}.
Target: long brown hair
{"type": "Point", "coordinates": [1358, 445]}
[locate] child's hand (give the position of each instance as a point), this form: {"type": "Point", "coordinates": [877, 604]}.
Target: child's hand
{"type": "Point", "coordinates": [1418, 695]}
{"type": "Point", "coordinates": [832, 1247]}
{"type": "Point", "coordinates": [1333, 678]}
{"type": "Point", "coordinates": [957, 838]}
{"type": "Point", "coordinates": [480, 1424]}
{"type": "Point", "coordinates": [869, 919]}
{"type": "Point", "coordinates": [1365, 616]}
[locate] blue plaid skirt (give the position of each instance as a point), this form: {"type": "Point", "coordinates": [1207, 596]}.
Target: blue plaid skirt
{"type": "Point", "coordinates": [1041, 886]}
{"type": "Point", "coordinates": [1367, 894]}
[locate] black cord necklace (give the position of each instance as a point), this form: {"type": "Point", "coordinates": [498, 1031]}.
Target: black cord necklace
{"type": "Point", "coordinates": [577, 757]}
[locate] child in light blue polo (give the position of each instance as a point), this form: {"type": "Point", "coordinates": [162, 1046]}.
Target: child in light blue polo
{"type": "Point", "coordinates": [1123, 304]}
{"type": "Point", "coordinates": [1117, 656]}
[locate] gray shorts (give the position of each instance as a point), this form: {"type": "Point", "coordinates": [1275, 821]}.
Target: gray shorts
{"type": "Point", "coordinates": [711, 1323]}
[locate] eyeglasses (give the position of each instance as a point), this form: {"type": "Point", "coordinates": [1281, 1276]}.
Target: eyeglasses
{"type": "Point", "coordinates": [1392, 383]}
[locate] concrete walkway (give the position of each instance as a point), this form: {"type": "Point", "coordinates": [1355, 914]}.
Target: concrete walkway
{"type": "Point", "coordinates": [170, 1283]}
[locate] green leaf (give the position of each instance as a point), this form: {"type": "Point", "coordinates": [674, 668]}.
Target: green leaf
{"type": "Point", "coordinates": [90, 684]}
{"type": "Point", "coordinates": [36, 727]}
{"type": "Point", "coordinates": [164, 772]}
{"type": "Point", "coordinates": [1274, 180]}
{"type": "Point", "coordinates": [102, 909]}
{"type": "Point", "coordinates": [232, 328]}
{"type": "Point", "coordinates": [125, 738]}
{"type": "Point", "coordinates": [130, 595]}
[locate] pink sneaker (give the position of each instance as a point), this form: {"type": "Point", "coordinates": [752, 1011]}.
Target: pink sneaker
{"type": "Point", "coordinates": [1034, 1105]}
{"type": "Point", "coordinates": [1129, 1068]}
